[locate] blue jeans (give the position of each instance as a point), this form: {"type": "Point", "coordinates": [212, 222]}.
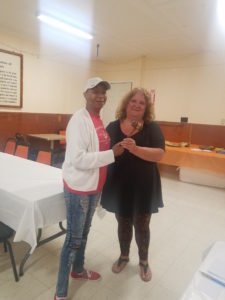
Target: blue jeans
{"type": "Point", "coordinates": [80, 210]}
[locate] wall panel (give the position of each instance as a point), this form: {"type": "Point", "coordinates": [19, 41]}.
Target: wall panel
{"type": "Point", "coordinates": [25, 123]}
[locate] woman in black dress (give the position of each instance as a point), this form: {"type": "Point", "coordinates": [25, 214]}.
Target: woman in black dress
{"type": "Point", "coordinates": [133, 187]}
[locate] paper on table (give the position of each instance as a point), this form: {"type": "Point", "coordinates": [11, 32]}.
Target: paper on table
{"type": "Point", "coordinates": [203, 286]}
{"type": "Point", "coordinates": [200, 150]}
{"type": "Point", "coordinates": [207, 289]}
{"type": "Point", "coordinates": [216, 271]}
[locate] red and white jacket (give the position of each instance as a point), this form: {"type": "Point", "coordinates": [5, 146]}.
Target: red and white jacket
{"type": "Point", "coordinates": [83, 158]}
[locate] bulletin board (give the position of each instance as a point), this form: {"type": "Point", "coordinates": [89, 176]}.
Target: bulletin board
{"type": "Point", "coordinates": [11, 79]}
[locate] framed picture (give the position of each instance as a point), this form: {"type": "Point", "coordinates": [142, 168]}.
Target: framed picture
{"type": "Point", "coordinates": [11, 79]}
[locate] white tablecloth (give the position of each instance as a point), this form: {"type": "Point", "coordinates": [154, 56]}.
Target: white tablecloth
{"type": "Point", "coordinates": [31, 196]}
{"type": "Point", "coordinates": [208, 282]}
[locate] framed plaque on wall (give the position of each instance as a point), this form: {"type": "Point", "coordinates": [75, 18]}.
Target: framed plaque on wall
{"type": "Point", "coordinates": [11, 79]}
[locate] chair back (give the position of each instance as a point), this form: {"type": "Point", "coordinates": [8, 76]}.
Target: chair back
{"type": "Point", "coordinates": [21, 139]}
{"type": "Point", "coordinates": [5, 234]}
{"type": "Point", "coordinates": [10, 146]}
{"type": "Point", "coordinates": [44, 157]}
{"type": "Point", "coordinates": [22, 151]}
{"type": "Point", "coordinates": [62, 132]}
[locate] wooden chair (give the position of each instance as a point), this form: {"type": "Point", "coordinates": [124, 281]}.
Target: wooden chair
{"type": "Point", "coordinates": [62, 142]}
{"type": "Point", "coordinates": [44, 157]}
{"type": "Point", "coordinates": [5, 234]}
{"type": "Point", "coordinates": [22, 151]}
{"type": "Point", "coordinates": [10, 146]}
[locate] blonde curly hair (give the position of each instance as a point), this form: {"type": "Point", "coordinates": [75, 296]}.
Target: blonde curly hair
{"type": "Point", "coordinates": [149, 114]}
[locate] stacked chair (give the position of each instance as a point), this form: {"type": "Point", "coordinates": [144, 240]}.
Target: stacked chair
{"type": "Point", "coordinates": [17, 145]}
{"type": "Point", "coordinates": [44, 157]}
{"type": "Point", "coordinates": [10, 146]}
{"type": "Point", "coordinates": [22, 151]}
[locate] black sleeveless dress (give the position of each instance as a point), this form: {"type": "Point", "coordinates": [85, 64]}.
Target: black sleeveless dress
{"type": "Point", "coordinates": [133, 185]}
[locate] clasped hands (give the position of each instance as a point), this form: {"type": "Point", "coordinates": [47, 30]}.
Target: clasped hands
{"type": "Point", "coordinates": [127, 143]}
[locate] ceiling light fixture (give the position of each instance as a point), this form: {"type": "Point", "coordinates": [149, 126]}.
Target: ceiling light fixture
{"type": "Point", "coordinates": [64, 26]}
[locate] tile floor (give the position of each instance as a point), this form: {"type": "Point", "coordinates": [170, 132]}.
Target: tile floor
{"type": "Point", "coordinates": [192, 219]}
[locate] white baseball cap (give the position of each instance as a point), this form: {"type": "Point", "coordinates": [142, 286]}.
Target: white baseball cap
{"type": "Point", "coordinates": [93, 82]}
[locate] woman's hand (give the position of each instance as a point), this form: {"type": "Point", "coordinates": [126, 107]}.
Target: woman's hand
{"type": "Point", "coordinates": [129, 144]}
{"type": "Point", "coordinates": [145, 153]}
{"type": "Point", "coordinates": [117, 149]}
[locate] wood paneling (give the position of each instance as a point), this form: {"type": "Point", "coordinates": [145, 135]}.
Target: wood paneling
{"type": "Point", "coordinates": [176, 132]}
{"type": "Point", "coordinates": [199, 134]}
{"type": "Point", "coordinates": [211, 135]}
{"type": "Point", "coordinates": [24, 123]}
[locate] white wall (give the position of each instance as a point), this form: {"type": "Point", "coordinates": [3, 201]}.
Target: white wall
{"type": "Point", "coordinates": [192, 86]}
{"type": "Point", "coordinates": [49, 85]}
{"type": "Point", "coordinates": [52, 87]}
{"type": "Point", "coordinates": [117, 91]}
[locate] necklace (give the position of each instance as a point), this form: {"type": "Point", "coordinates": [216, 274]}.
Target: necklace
{"type": "Point", "coordinates": [137, 125]}
{"type": "Point", "coordinates": [134, 125]}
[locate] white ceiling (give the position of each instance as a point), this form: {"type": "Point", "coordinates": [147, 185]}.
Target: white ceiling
{"type": "Point", "coordinates": [124, 29]}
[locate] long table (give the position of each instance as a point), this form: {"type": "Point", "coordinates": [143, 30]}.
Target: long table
{"type": "Point", "coordinates": [50, 137]}
{"type": "Point", "coordinates": [208, 282]}
{"type": "Point", "coordinates": [193, 157]}
{"type": "Point", "coordinates": [31, 198]}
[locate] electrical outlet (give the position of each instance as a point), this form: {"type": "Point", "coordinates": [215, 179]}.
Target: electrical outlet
{"type": "Point", "coordinates": [222, 122]}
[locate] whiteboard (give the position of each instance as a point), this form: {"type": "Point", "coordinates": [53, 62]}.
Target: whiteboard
{"type": "Point", "coordinates": [114, 96]}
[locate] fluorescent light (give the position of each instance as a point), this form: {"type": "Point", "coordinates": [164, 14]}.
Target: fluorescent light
{"type": "Point", "coordinates": [64, 26]}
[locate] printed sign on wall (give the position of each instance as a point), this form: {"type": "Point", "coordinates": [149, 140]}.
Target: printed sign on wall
{"type": "Point", "coordinates": [11, 79]}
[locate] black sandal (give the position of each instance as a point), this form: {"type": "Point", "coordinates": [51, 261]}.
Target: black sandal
{"type": "Point", "coordinates": [145, 272]}
{"type": "Point", "coordinates": [119, 265]}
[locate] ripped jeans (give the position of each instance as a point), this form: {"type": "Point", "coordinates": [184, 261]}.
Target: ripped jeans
{"type": "Point", "coordinates": [80, 210]}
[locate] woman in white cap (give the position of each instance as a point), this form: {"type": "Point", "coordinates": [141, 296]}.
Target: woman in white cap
{"type": "Point", "coordinates": [84, 174]}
